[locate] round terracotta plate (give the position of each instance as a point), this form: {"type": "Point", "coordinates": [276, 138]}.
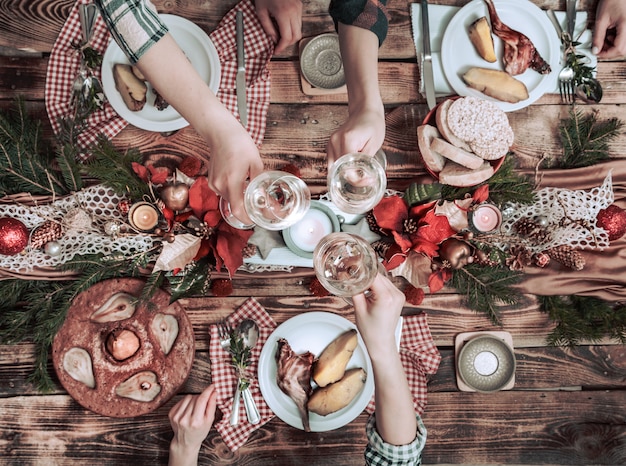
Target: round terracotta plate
{"type": "Point", "coordinates": [88, 324]}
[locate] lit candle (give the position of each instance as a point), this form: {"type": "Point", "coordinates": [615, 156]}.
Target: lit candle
{"type": "Point", "coordinates": [143, 216]}
{"type": "Point", "coordinates": [486, 218]}
{"type": "Point", "coordinates": [310, 230]}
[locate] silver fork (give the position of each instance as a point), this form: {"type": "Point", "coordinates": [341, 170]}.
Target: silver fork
{"type": "Point", "coordinates": [567, 89]}
{"type": "Point", "coordinates": [224, 330]}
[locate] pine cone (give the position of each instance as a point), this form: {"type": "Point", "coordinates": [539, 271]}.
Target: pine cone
{"type": "Point", "coordinates": [371, 222]}
{"type": "Point", "coordinates": [519, 258]}
{"type": "Point", "coordinates": [409, 226]}
{"type": "Point", "coordinates": [50, 230]}
{"type": "Point", "coordinates": [525, 226]}
{"type": "Point", "coordinates": [567, 256]}
{"type": "Point", "coordinates": [531, 230]}
{"type": "Point", "coordinates": [381, 247]}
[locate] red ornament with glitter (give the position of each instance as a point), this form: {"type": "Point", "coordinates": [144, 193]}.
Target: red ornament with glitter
{"type": "Point", "coordinates": [613, 220]}
{"type": "Point", "coordinates": [13, 236]}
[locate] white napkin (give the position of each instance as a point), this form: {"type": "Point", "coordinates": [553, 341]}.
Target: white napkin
{"type": "Point", "coordinates": [440, 15]}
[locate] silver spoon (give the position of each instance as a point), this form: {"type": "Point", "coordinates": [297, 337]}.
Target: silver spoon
{"type": "Point", "coordinates": [249, 332]}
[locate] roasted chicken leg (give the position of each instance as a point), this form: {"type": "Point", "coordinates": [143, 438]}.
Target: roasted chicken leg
{"type": "Point", "coordinates": [293, 377]}
{"type": "Point", "coordinates": [519, 51]}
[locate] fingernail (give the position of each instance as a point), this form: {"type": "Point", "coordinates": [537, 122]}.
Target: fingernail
{"type": "Point", "coordinates": [595, 50]}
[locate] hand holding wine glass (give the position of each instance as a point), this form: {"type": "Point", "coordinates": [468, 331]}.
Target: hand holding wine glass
{"type": "Point", "coordinates": [273, 200]}
{"type": "Point", "coordinates": [345, 264]}
{"type": "Point", "coordinates": [357, 181]}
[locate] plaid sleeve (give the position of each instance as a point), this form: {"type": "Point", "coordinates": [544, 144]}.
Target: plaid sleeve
{"type": "Point", "coordinates": [366, 14]}
{"type": "Point", "coordinates": [378, 452]}
{"type": "Point", "coordinates": [134, 24]}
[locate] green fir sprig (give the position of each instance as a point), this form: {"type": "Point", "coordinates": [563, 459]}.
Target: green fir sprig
{"type": "Point", "coordinates": [114, 168]}
{"type": "Point", "coordinates": [585, 139]}
{"type": "Point", "coordinates": [240, 357]}
{"type": "Point", "coordinates": [486, 289]}
{"type": "Point", "coordinates": [26, 165]}
{"type": "Point", "coordinates": [581, 319]}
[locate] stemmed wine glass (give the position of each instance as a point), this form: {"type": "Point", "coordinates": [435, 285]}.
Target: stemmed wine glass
{"type": "Point", "coordinates": [345, 264]}
{"type": "Point", "coordinates": [357, 181]}
{"type": "Point", "coordinates": [273, 200]}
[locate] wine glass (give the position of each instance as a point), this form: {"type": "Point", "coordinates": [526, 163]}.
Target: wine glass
{"type": "Point", "coordinates": [345, 264]}
{"type": "Point", "coordinates": [357, 181]}
{"type": "Point", "coordinates": [273, 200]}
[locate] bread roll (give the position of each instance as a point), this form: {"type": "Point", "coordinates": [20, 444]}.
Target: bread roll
{"type": "Point", "coordinates": [456, 154]}
{"type": "Point", "coordinates": [425, 135]}
{"type": "Point", "coordinates": [460, 176]}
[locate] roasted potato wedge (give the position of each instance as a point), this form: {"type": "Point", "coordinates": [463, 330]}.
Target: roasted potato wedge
{"type": "Point", "coordinates": [332, 363]}
{"type": "Point", "coordinates": [338, 395]}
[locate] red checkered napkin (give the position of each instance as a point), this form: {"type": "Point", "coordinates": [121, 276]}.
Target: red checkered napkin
{"type": "Point", "coordinates": [225, 379]}
{"type": "Point", "coordinates": [258, 48]}
{"type": "Point", "coordinates": [64, 65]}
{"type": "Point", "coordinates": [419, 356]}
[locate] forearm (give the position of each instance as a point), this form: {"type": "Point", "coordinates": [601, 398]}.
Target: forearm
{"type": "Point", "coordinates": [181, 456]}
{"type": "Point", "coordinates": [395, 415]}
{"type": "Point", "coordinates": [170, 72]}
{"type": "Point", "coordinates": [359, 52]}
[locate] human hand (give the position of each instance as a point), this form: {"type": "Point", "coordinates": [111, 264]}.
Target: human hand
{"type": "Point", "coordinates": [609, 32]}
{"type": "Point", "coordinates": [191, 419]}
{"type": "Point", "coordinates": [284, 14]}
{"type": "Point", "coordinates": [235, 158]}
{"type": "Point", "coordinates": [377, 316]}
{"type": "Point", "coordinates": [363, 131]}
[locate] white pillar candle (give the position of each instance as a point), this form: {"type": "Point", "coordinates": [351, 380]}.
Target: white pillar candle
{"type": "Point", "coordinates": [310, 230]}
{"type": "Point", "coordinates": [486, 217]}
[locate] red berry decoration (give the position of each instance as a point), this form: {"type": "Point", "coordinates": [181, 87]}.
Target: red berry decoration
{"type": "Point", "coordinates": [613, 220]}
{"type": "Point", "coordinates": [13, 236]}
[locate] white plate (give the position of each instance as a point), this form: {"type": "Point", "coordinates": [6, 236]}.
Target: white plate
{"type": "Point", "coordinates": [458, 54]}
{"type": "Point", "coordinates": [312, 331]}
{"type": "Point", "coordinates": [200, 50]}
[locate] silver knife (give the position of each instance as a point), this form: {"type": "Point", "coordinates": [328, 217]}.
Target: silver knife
{"type": "Point", "coordinates": [427, 59]}
{"type": "Point", "coordinates": [570, 14]}
{"type": "Point", "coordinates": [242, 104]}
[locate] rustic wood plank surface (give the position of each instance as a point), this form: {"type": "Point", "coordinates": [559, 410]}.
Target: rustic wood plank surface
{"type": "Point", "coordinates": [567, 406]}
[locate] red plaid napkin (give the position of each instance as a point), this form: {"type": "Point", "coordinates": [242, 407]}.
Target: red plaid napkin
{"type": "Point", "coordinates": [225, 379]}
{"type": "Point", "coordinates": [419, 356]}
{"type": "Point", "coordinates": [64, 65]}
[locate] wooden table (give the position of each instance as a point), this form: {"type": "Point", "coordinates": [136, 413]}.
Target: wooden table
{"type": "Point", "coordinates": [567, 406]}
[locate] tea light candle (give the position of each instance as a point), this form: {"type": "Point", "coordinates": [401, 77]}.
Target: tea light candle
{"type": "Point", "coordinates": [310, 230]}
{"type": "Point", "coordinates": [143, 216]}
{"type": "Point", "coordinates": [486, 218]}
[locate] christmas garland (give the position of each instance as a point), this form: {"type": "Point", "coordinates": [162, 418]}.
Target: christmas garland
{"type": "Point", "coordinates": [186, 207]}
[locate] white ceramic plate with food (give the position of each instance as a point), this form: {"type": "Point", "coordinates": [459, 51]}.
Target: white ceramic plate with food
{"type": "Point", "coordinates": [458, 54]}
{"type": "Point", "coordinates": [200, 50]}
{"type": "Point", "coordinates": [312, 331]}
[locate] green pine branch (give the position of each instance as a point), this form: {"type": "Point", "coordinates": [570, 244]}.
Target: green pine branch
{"type": "Point", "coordinates": [487, 288]}
{"type": "Point", "coordinates": [586, 140]}
{"type": "Point", "coordinates": [583, 318]}
{"type": "Point", "coordinates": [114, 168]}
{"type": "Point", "coordinates": [24, 163]}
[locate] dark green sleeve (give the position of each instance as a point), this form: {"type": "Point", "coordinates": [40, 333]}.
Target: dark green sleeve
{"type": "Point", "coordinates": [366, 14]}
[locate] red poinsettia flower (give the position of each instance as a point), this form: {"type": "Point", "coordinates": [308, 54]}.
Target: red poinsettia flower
{"type": "Point", "coordinates": [150, 174]}
{"type": "Point", "coordinates": [430, 229]}
{"type": "Point", "coordinates": [226, 243]}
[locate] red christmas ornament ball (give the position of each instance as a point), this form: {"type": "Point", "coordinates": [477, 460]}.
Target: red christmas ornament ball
{"type": "Point", "coordinates": [613, 220]}
{"type": "Point", "coordinates": [13, 236]}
